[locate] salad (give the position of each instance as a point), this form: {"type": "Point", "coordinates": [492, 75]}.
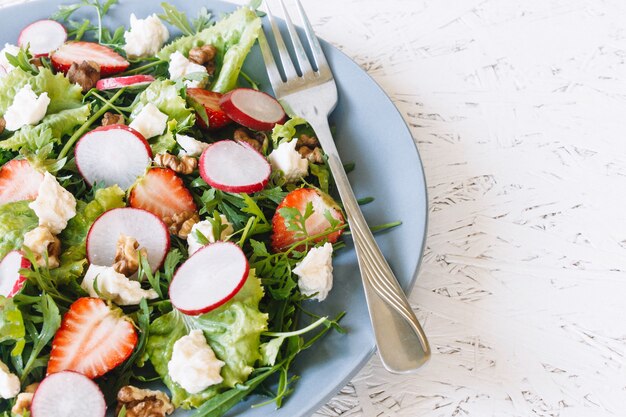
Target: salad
{"type": "Point", "coordinates": [161, 219]}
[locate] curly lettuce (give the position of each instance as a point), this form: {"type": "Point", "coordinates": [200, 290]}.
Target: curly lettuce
{"type": "Point", "coordinates": [62, 93]}
{"type": "Point", "coordinates": [233, 331]}
{"type": "Point", "coordinates": [16, 219]}
{"type": "Point", "coordinates": [233, 38]}
{"type": "Point", "coordinates": [12, 330]}
{"type": "Point", "coordinates": [49, 131]}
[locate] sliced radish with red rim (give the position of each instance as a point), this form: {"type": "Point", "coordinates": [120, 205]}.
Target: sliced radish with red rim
{"type": "Point", "coordinates": [114, 154]}
{"type": "Point", "coordinates": [253, 109]}
{"type": "Point", "coordinates": [68, 394]}
{"type": "Point", "coordinates": [42, 37]}
{"type": "Point", "coordinates": [234, 167]}
{"type": "Point", "coordinates": [120, 82]}
{"type": "Point", "coordinates": [11, 281]}
{"type": "Point", "coordinates": [209, 278]}
{"type": "Point", "coordinates": [149, 231]}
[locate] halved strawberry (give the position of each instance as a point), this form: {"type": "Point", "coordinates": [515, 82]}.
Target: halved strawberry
{"type": "Point", "coordinates": [163, 193]}
{"type": "Point", "coordinates": [110, 61]}
{"type": "Point", "coordinates": [19, 181]}
{"type": "Point", "coordinates": [92, 339]}
{"type": "Point", "coordinates": [316, 224]}
{"type": "Point", "coordinates": [200, 98]}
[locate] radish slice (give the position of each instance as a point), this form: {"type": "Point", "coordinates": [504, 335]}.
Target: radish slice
{"type": "Point", "coordinates": [43, 37]}
{"type": "Point", "coordinates": [11, 281]}
{"type": "Point", "coordinates": [114, 154]}
{"type": "Point", "coordinates": [119, 82]}
{"type": "Point", "coordinates": [209, 278]}
{"type": "Point", "coordinates": [68, 394]}
{"type": "Point", "coordinates": [234, 167]}
{"type": "Point", "coordinates": [253, 109]}
{"type": "Point", "coordinates": [151, 233]}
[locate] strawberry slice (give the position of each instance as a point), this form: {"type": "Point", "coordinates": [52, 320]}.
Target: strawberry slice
{"type": "Point", "coordinates": [163, 193]}
{"type": "Point", "coordinates": [110, 61]}
{"type": "Point", "coordinates": [19, 181]}
{"type": "Point", "coordinates": [92, 339]}
{"type": "Point", "coordinates": [207, 106]}
{"type": "Point", "coordinates": [317, 223]}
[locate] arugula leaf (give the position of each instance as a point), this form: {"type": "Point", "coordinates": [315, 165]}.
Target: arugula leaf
{"type": "Point", "coordinates": [176, 18]}
{"type": "Point", "coordinates": [23, 61]}
{"type": "Point", "coordinates": [51, 323]}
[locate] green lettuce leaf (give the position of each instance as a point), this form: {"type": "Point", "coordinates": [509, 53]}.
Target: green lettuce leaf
{"type": "Point", "coordinates": [164, 95]}
{"type": "Point", "coordinates": [16, 219]}
{"type": "Point", "coordinates": [63, 94]}
{"type": "Point", "coordinates": [233, 37]}
{"type": "Point", "coordinates": [73, 258]}
{"type": "Point", "coordinates": [233, 331]}
{"type": "Point", "coordinates": [12, 328]}
{"type": "Point", "coordinates": [286, 132]}
{"type": "Point", "coordinates": [49, 131]}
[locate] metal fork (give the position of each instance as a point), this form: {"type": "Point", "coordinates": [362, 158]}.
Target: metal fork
{"type": "Point", "coordinates": [402, 344]}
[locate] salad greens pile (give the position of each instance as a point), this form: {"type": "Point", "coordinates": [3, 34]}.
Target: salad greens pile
{"type": "Point", "coordinates": [259, 332]}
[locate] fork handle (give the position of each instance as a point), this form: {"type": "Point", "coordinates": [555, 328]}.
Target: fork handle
{"type": "Point", "coordinates": [402, 343]}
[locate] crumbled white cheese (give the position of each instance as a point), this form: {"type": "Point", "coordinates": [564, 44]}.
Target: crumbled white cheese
{"type": "Point", "coordinates": [114, 286]}
{"type": "Point", "coordinates": [9, 383]}
{"type": "Point", "coordinates": [27, 108]}
{"type": "Point", "coordinates": [54, 205]}
{"type": "Point", "coordinates": [38, 241]}
{"type": "Point", "coordinates": [206, 228]}
{"type": "Point", "coordinates": [315, 272]}
{"type": "Point", "coordinates": [150, 121]}
{"type": "Point", "coordinates": [191, 146]}
{"type": "Point", "coordinates": [181, 67]}
{"type": "Point", "coordinates": [285, 158]}
{"type": "Point", "coordinates": [193, 365]}
{"type": "Point", "coordinates": [5, 65]}
{"type": "Point", "coordinates": [145, 37]}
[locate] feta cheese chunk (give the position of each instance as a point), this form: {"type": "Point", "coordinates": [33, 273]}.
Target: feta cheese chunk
{"type": "Point", "coordinates": [315, 272]}
{"type": "Point", "coordinates": [285, 158]}
{"type": "Point", "coordinates": [54, 205]}
{"type": "Point", "coordinates": [9, 383]}
{"type": "Point", "coordinates": [193, 365]}
{"type": "Point", "coordinates": [206, 228]}
{"type": "Point", "coordinates": [150, 121]}
{"type": "Point", "coordinates": [181, 66]}
{"type": "Point", "coordinates": [114, 286]}
{"type": "Point", "coordinates": [145, 37]}
{"type": "Point", "coordinates": [191, 146]}
{"type": "Point", "coordinates": [27, 108]}
{"type": "Point", "coordinates": [5, 65]}
{"type": "Point", "coordinates": [41, 241]}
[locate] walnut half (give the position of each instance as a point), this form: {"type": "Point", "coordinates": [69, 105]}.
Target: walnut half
{"type": "Point", "coordinates": [143, 402]}
{"type": "Point", "coordinates": [127, 255]}
{"type": "Point", "coordinates": [85, 74]}
{"type": "Point", "coordinates": [180, 224]}
{"type": "Point", "coordinates": [41, 241]}
{"type": "Point", "coordinates": [183, 165]}
{"type": "Point", "coordinates": [24, 400]}
{"type": "Point", "coordinates": [110, 118]}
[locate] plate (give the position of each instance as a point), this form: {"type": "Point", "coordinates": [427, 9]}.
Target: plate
{"type": "Point", "coordinates": [369, 132]}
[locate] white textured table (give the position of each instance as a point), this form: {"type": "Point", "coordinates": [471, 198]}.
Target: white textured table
{"type": "Point", "coordinates": [519, 113]}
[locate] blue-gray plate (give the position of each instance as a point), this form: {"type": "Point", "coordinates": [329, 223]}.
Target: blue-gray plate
{"type": "Point", "coordinates": [369, 132]}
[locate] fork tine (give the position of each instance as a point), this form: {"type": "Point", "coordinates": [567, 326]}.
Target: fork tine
{"type": "Point", "coordinates": [318, 54]}
{"type": "Point", "coordinates": [303, 60]}
{"type": "Point", "coordinates": [285, 59]}
{"type": "Point", "coordinates": [270, 64]}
